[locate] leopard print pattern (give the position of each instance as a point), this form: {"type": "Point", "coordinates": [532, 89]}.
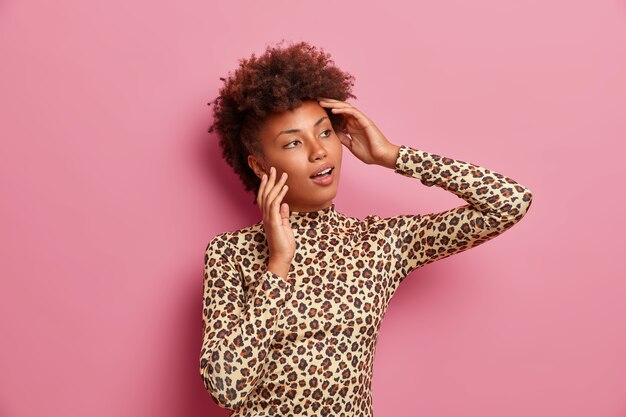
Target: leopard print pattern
{"type": "Point", "coordinates": [305, 345]}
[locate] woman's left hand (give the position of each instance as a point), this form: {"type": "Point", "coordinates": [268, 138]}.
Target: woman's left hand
{"type": "Point", "coordinates": [366, 141]}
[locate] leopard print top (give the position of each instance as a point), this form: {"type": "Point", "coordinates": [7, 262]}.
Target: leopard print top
{"type": "Point", "coordinates": [305, 345]}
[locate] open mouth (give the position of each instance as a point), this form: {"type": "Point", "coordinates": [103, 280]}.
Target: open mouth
{"type": "Point", "coordinates": [325, 177]}
{"type": "Point", "coordinates": [323, 174]}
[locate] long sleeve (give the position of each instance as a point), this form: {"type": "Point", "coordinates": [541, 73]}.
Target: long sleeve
{"type": "Point", "coordinates": [494, 204]}
{"type": "Point", "coordinates": [238, 325]}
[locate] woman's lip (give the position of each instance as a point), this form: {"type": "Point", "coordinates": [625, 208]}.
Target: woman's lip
{"type": "Point", "coordinates": [332, 168]}
{"type": "Point", "coordinates": [326, 179]}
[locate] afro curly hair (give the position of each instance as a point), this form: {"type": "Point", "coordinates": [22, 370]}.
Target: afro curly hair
{"type": "Point", "coordinates": [276, 81]}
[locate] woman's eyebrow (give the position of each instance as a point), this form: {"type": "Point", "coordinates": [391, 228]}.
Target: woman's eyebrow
{"type": "Point", "coordinates": [297, 130]}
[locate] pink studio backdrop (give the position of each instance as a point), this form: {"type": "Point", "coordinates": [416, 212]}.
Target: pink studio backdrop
{"type": "Point", "coordinates": [111, 189]}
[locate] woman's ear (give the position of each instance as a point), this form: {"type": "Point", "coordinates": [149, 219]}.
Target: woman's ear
{"type": "Point", "coordinates": [256, 166]}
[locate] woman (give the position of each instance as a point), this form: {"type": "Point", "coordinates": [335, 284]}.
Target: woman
{"type": "Point", "coordinates": [293, 304]}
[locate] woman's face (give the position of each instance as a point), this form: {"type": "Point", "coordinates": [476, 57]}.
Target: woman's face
{"type": "Point", "coordinates": [300, 142]}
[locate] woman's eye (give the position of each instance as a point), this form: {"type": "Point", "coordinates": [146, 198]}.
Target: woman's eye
{"type": "Point", "coordinates": [327, 132]}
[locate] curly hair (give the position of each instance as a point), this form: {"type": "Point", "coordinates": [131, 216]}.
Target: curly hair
{"type": "Point", "coordinates": [276, 81]}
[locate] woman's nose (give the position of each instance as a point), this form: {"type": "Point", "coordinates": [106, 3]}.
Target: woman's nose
{"type": "Point", "coordinates": [318, 150]}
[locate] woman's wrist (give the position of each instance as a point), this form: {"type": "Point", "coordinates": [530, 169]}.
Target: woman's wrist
{"type": "Point", "coordinates": [279, 267]}
{"type": "Point", "coordinates": [390, 156]}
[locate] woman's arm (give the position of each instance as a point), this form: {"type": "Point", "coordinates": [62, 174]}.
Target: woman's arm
{"type": "Point", "coordinates": [495, 204]}
{"type": "Point", "coordinates": [238, 330]}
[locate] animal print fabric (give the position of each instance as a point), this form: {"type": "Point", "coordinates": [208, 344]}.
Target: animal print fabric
{"type": "Point", "coordinates": [305, 345]}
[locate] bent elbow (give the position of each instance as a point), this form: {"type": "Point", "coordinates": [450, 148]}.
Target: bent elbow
{"type": "Point", "coordinates": [525, 202]}
{"type": "Point", "coordinates": [224, 396]}
{"type": "Point", "coordinates": [508, 214]}
{"type": "Point", "coordinates": [517, 206]}
{"type": "Point", "coordinates": [528, 197]}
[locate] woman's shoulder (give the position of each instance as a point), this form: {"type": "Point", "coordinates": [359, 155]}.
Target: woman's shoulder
{"type": "Point", "coordinates": [249, 234]}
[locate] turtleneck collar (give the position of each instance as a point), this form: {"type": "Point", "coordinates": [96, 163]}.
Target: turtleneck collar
{"type": "Point", "coordinates": [315, 219]}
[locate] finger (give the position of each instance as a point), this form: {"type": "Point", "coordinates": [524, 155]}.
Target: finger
{"type": "Point", "coordinates": [276, 187]}
{"type": "Point", "coordinates": [268, 189]}
{"type": "Point", "coordinates": [331, 104]}
{"type": "Point", "coordinates": [284, 214]}
{"type": "Point", "coordinates": [263, 193]}
{"type": "Point", "coordinates": [340, 107]}
{"type": "Point", "coordinates": [260, 193]}
{"type": "Point", "coordinates": [275, 206]}
{"type": "Point", "coordinates": [345, 139]}
{"type": "Point", "coordinates": [354, 113]}
{"type": "Point", "coordinates": [271, 196]}
{"type": "Point", "coordinates": [334, 102]}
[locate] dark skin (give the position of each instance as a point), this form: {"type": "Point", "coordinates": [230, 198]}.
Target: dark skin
{"type": "Point", "coordinates": [289, 159]}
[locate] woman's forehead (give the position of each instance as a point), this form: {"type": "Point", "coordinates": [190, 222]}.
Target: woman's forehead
{"type": "Point", "coordinates": [304, 117]}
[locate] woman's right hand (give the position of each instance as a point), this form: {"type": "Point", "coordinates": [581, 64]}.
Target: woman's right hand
{"type": "Point", "coordinates": [278, 231]}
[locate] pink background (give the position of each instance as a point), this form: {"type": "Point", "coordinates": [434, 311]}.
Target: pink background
{"type": "Point", "coordinates": [111, 189]}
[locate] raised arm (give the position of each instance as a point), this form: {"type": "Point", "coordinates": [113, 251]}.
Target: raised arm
{"type": "Point", "coordinates": [494, 204]}
{"type": "Point", "coordinates": [238, 325]}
